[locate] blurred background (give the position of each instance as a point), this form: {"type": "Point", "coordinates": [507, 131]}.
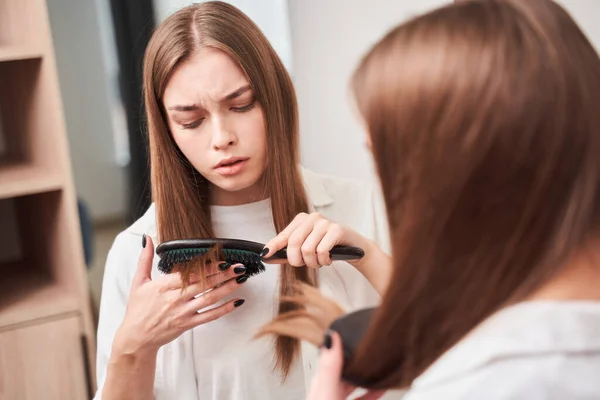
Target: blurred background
{"type": "Point", "coordinates": [98, 46]}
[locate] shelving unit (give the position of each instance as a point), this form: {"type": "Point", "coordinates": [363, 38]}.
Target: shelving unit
{"type": "Point", "coordinates": [25, 298]}
{"type": "Point", "coordinates": [47, 343]}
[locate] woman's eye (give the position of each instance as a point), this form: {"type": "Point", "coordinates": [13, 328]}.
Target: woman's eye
{"type": "Point", "coordinates": [244, 108]}
{"type": "Point", "coordinates": [192, 125]}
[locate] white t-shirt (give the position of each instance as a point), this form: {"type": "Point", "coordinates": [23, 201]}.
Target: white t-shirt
{"type": "Point", "coordinates": [229, 363]}
{"type": "Point", "coordinates": [180, 373]}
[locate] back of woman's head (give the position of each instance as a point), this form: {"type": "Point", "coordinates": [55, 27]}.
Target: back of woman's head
{"type": "Point", "coordinates": [486, 138]}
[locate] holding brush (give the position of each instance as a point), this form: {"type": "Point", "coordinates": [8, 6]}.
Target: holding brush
{"type": "Point", "coordinates": [223, 140]}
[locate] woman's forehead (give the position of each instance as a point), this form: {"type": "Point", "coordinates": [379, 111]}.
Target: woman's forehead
{"type": "Point", "coordinates": [209, 75]}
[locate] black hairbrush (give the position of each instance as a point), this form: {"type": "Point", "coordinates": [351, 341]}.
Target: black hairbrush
{"type": "Point", "coordinates": [235, 251]}
{"type": "Point", "coordinates": [352, 328]}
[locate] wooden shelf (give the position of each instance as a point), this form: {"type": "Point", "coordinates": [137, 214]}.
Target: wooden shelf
{"type": "Point", "coordinates": [45, 314]}
{"type": "Point", "coordinates": [27, 294]}
{"type": "Point", "coordinates": [21, 179]}
{"type": "Point", "coordinates": [16, 53]}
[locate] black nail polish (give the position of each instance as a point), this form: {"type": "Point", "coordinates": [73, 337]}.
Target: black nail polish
{"type": "Point", "coordinates": [144, 241]}
{"type": "Point", "coordinates": [239, 270]}
{"type": "Point", "coordinates": [264, 252]}
{"type": "Point", "coordinates": [241, 279]}
{"type": "Point", "coordinates": [239, 302]}
{"type": "Point", "coordinates": [224, 266]}
{"type": "Point", "coordinates": [327, 343]}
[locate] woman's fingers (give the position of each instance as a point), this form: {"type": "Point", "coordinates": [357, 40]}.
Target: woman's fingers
{"type": "Point", "coordinates": [309, 240]}
{"type": "Point", "coordinates": [312, 243]}
{"type": "Point", "coordinates": [212, 281]}
{"type": "Point", "coordinates": [333, 236]}
{"type": "Point", "coordinates": [214, 313]}
{"type": "Point", "coordinates": [144, 268]}
{"type": "Point", "coordinates": [214, 273]}
{"type": "Point", "coordinates": [331, 362]}
{"type": "Point", "coordinates": [214, 295]}
{"type": "Point", "coordinates": [296, 249]}
{"type": "Point", "coordinates": [328, 384]}
{"type": "Point", "coordinates": [281, 240]}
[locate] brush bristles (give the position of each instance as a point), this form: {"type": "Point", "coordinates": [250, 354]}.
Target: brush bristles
{"type": "Point", "coordinates": [250, 260]}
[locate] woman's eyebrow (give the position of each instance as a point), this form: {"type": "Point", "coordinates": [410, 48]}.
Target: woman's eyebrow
{"type": "Point", "coordinates": [237, 93]}
{"type": "Point", "coordinates": [193, 107]}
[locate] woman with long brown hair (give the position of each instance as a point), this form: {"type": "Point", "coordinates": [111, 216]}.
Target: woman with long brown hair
{"type": "Point", "coordinates": [223, 141]}
{"type": "Point", "coordinates": [484, 123]}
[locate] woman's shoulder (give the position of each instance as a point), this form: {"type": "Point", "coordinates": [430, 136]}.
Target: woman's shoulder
{"type": "Point", "coordinates": [551, 377]}
{"type": "Point", "coordinates": [145, 224]}
{"type": "Point", "coordinates": [343, 198]}
{"type": "Point", "coordinates": [127, 245]}
{"type": "Point", "coordinates": [351, 202]}
{"type": "Point", "coordinates": [325, 189]}
{"type": "Point", "coordinates": [555, 352]}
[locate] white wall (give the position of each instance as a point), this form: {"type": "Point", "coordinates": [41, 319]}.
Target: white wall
{"type": "Point", "coordinates": [88, 103]}
{"type": "Point", "coordinates": [328, 38]}
{"type": "Point", "coordinates": [587, 14]}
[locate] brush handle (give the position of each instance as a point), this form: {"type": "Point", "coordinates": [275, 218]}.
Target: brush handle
{"type": "Point", "coordinates": [337, 253]}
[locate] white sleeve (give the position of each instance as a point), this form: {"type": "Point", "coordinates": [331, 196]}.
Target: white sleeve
{"type": "Point", "coordinates": [118, 274]}
{"type": "Point", "coordinates": [374, 226]}
{"type": "Point", "coordinates": [516, 379]}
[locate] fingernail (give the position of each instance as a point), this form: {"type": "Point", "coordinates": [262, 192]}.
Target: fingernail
{"type": "Point", "coordinates": [224, 266]}
{"type": "Point", "coordinates": [327, 342]}
{"type": "Point", "coordinates": [264, 252]}
{"type": "Point", "coordinates": [239, 270]}
{"type": "Point", "coordinates": [242, 279]}
{"type": "Point", "coordinates": [144, 241]}
{"type": "Point", "coordinates": [239, 302]}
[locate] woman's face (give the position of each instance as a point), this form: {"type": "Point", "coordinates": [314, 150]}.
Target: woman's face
{"type": "Point", "coordinates": [220, 128]}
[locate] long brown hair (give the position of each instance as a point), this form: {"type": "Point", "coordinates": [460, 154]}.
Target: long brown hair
{"type": "Point", "coordinates": [486, 136]}
{"type": "Point", "coordinates": [179, 192]}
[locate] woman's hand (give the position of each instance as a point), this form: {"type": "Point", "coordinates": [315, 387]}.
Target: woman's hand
{"type": "Point", "coordinates": [328, 384]}
{"type": "Point", "coordinates": [160, 310]}
{"type": "Point", "coordinates": [310, 237]}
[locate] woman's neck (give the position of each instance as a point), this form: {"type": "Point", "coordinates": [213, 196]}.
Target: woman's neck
{"type": "Point", "coordinates": [221, 197]}
{"type": "Point", "coordinates": [578, 280]}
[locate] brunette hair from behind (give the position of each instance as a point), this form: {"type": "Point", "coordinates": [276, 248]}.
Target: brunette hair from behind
{"type": "Point", "coordinates": [486, 138]}
{"type": "Point", "coordinates": [180, 193]}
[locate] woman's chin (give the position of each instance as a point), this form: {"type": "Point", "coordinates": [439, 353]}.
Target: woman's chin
{"type": "Point", "coordinates": [237, 189]}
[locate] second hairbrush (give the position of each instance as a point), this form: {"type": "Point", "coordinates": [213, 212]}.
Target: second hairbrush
{"type": "Point", "coordinates": [235, 251]}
